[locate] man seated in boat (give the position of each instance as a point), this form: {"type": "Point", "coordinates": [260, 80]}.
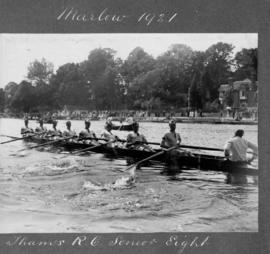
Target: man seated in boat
{"type": "Point", "coordinates": [87, 135]}
{"type": "Point", "coordinates": [54, 132]}
{"type": "Point", "coordinates": [41, 129]}
{"type": "Point", "coordinates": [68, 132]}
{"type": "Point", "coordinates": [136, 140]}
{"type": "Point", "coordinates": [25, 131]}
{"type": "Point", "coordinates": [108, 135]}
{"type": "Point", "coordinates": [236, 148]}
{"type": "Point", "coordinates": [130, 119]}
{"type": "Point", "coordinates": [172, 139]}
{"type": "Point", "coordinates": [235, 151]}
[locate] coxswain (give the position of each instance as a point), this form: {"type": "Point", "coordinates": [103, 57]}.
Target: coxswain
{"type": "Point", "coordinates": [108, 135]}
{"type": "Point", "coordinates": [136, 140]}
{"type": "Point", "coordinates": [172, 139]}
{"type": "Point", "coordinates": [87, 135]}
{"type": "Point", "coordinates": [68, 132]}
{"type": "Point", "coordinates": [55, 132]}
{"type": "Point", "coordinates": [236, 148]}
{"type": "Point", "coordinates": [25, 131]}
{"type": "Point", "coordinates": [41, 129]}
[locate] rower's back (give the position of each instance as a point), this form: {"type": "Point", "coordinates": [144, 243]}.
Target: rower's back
{"type": "Point", "coordinates": [238, 147]}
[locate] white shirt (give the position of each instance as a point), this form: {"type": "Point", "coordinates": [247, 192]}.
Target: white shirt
{"type": "Point", "coordinates": [238, 148]}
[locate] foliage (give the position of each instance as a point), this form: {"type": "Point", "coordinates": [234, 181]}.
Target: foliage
{"type": "Point", "coordinates": [178, 78]}
{"type": "Point", "coordinates": [40, 72]}
{"type": "Point", "coordinates": [246, 62]}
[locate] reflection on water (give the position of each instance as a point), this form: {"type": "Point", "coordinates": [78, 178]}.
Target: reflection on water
{"type": "Point", "coordinates": [92, 194]}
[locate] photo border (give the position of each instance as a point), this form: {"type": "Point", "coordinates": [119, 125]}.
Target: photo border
{"type": "Point", "coordinates": [194, 16]}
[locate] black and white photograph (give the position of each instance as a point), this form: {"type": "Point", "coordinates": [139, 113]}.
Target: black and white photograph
{"type": "Point", "coordinates": [129, 132]}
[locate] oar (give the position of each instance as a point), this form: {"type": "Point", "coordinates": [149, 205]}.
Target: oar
{"type": "Point", "coordinates": [47, 143]}
{"type": "Point", "coordinates": [88, 149]}
{"type": "Point", "coordinates": [182, 146]}
{"type": "Point", "coordinates": [7, 136]}
{"type": "Point", "coordinates": [149, 158]}
{"type": "Point", "coordinates": [16, 139]}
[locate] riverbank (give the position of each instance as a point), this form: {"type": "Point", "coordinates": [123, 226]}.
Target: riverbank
{"type": "Point", "coordinates": [209, 120]}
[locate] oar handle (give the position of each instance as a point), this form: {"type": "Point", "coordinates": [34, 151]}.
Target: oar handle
{"type": "Point", "coordinates": [183, 146]}
{"type": "Point", "coordinates": [151, 157]}
{"type": "Point", "coordinates": [88, 149]}
{"type": "Point", "coordinates": [47, 143]}
{"type": "Point", "coordinates": [17, 138]}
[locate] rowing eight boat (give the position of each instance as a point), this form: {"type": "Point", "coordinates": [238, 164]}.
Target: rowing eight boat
{"type": "Point", "coordinates": [186, 160]}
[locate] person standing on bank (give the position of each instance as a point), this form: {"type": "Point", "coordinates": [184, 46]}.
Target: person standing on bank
{"type": "Point", "coordinates": [236, 148]}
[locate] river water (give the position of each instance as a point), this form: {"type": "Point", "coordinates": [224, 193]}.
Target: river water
{"type": "Point", "coordinates": [43, 191]}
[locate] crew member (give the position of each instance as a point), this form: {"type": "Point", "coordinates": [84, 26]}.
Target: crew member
{"type": "Point", "coordinates": [236, 148]}
{"type": "Point", "coordinates": [26, 130]}
{"type": "Point", "coordinates": [235, 151]}
{"type": "Point", "coordinates": [136, 140]}
{"type": "Point", "coordinates": [130, 119]}
{"type": "Point", "coordinates": [55, 132]}
{"type": "Point", "coordinates": [87, 133]}
{"type": "Point", "coordinates": [108, 135]}
{"type": "Point", "coordinates": [68, 132]}
{"type": "Point", "coordinates": [41, 128]}
{"type": "Point", "coordinates": [171, 138]}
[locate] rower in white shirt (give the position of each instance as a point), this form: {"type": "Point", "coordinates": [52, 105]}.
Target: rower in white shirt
{"type": "Point", "coordinates": [68, 132]}
{"type": "Point", "coordinates": [236, 148]}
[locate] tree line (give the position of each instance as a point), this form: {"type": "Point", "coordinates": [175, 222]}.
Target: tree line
{"type": "Point", "coordinates": [177, 79]}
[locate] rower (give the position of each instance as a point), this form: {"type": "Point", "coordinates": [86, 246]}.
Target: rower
{"type": "Point", "coordinates": [108, 135]}
{"type": "Point", "coordinates": [41, 129]}
{"type": "Point", "coordinates": [87, 133]}
{"type": "Point", "coordinates": [169, 140]}
{"type": "Point", "coordinates": [130, 119]}
{"type": "Point", "coordinates": [55, 132]}
{"type": "Point", "coordinates": [136, 140]}
{"type": "Point", "coordinates": [236, 148]}
{"type": "Point", "coordinates": [68, 132]}
{"type": "Point", "coordinates": [26, 130]}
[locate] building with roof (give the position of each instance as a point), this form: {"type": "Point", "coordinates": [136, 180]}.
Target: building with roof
{"type": "Point", "coordinates": [240, 96]}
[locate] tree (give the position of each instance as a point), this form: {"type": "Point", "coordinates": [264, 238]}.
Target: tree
{"type": "Point", "coordinates": [69, 87]}
{"type": "Point", "coordinates": [175, 65]}
{"type": "Point", "coordinates": [24, 98]}
{"type": "Point", "coordinates": [40, 72]}
{"type": "Point", "coordinates": [246, 63]}
{"type": "Point", "coordinates": [100, 73]}
{"type": "Point", "coordinates": [2, 99]}
{"type": "Point", "coordinates": [219, 63]}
